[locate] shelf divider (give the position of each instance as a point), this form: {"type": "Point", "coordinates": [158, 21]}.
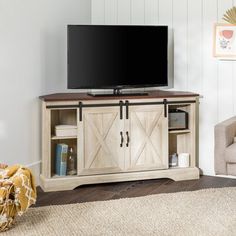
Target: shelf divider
{"type": "Point", "coordinates": [182, 131]}
{"type": "Point", "coordinates": [63, 137]}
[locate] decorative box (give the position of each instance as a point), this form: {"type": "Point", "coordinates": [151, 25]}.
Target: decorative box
{"type": "Point", "coordinates": [65, 130]}
{"type": "Point", "coordinates": [178, 119]}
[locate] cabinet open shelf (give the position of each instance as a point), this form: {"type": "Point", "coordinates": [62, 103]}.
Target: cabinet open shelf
{"type": "Point", "coordinates": [181, 168]}
{"type": "Point", "coordinates": [62, 117]}
{"type": "Point", "coordinates": [72, 143]}
{"type": "Point", "coordinates": [183, 140]}
{"type": "Point", "coordinates": [65, 176]}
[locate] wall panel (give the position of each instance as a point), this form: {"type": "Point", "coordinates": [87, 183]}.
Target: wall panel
{"type": "Point", "coordinates": [225, 76]}
{"type": "Point", "coordinates": [166, 18]}
{"type": "Point", "coordinates": [138, 12]}
{"type": "Point", "coordinates": [180, 16]}
{"type": "Point", "coordinates": [124, 12]}
{"type": "Point", "coordinates": [110, 15]}
{"type": "Point", "coordinates": [151, 12]}
{"type": "Point", "coordinates": [194, 46]}
{"type": "Point", "coordinates": [208, 107]}
{"type": "Point", "coordinates": [98, 12]}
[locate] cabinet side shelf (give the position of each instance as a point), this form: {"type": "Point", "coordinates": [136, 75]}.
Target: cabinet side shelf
{"type": "Point", "coordinates": [182, 131]}
{"type": "Point", "coordinates": [64, 137]}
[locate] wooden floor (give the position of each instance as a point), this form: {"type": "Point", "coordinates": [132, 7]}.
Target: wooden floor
{"type": "Point", "coordinates": [110, 191]}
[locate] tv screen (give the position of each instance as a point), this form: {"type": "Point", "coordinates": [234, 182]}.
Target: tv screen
{"type": "Point", "coordinates": [102, 56]}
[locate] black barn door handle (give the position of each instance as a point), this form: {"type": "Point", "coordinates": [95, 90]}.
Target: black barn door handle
{"type": "Point", "coordinates": [127, 143]}
{"type": "Point", "coordinates": [165, 107]}
{"type": "Point", "coordinates": [121, 139]}
{"type": "Point", "coordinates": [127, 109]}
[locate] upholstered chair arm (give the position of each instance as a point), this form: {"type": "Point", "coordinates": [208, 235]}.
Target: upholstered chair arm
{"type": "Point", "coordinates": [224, 136]}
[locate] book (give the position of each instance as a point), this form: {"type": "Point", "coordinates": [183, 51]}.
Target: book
{"type": "Point", "coordinates": [61, 159]}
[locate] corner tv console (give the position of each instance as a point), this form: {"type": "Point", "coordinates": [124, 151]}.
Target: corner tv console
{"type": "Point", "coordinates": [121, 138]}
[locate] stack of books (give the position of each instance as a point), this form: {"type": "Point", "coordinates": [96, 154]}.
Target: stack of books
{"type": "Point", "coordinates": [61, 159]}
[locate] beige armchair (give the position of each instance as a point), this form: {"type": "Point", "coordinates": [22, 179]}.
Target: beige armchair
{"type": "Point", "coordinates": [225, 147]}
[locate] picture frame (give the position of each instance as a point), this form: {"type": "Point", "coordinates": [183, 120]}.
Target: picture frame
{"type": "Point", "coordinates": [224, 46]}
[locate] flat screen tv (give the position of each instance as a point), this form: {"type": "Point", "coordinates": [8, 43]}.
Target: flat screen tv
{"type": "Point", "coordinates": [117, 57]}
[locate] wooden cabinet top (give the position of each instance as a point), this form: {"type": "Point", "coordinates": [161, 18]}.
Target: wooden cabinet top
{"type": "Point", "coordinates": [85, 96]}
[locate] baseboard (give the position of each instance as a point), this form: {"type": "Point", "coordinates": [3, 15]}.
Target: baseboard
{"type": "Point", "coordinates": [35, 168]}
{"type": "Point", "coordinates": [226, 176]}
{"type": "Point", "coordinates": [220, 175]}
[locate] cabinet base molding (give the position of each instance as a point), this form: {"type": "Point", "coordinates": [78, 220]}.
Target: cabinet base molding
{"type": "Point", "coordinates": [70, 183]}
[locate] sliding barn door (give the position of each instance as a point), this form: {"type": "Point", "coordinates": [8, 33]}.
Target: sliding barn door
{"type": "Point", "coordinates": [148, 138]}
{"type": "Point", "coordinates": [100, 150]}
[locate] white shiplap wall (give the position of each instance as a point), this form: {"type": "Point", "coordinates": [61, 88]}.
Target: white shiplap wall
{"type": "Point", "coordinates": [191, 62]}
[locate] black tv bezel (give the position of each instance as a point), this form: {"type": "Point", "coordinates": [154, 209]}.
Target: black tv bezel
{"type": "Point", "coordinates": [126, 86]}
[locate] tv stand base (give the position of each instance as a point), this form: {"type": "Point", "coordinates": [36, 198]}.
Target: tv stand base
{"type": "Point", "coordinates": [70, 183]}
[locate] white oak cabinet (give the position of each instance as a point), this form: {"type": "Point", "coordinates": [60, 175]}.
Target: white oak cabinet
{"type": "Point", "coordinates": [119, 138]}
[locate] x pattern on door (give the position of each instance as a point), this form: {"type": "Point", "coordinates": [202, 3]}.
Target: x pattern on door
{"type": "Point", "coordinates": [101, 144]}
{"type": "Point", "coordinates": [147, 141]}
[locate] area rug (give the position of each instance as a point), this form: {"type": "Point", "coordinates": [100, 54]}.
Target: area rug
{"type": "Point", "coordinates": [205, 212]}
